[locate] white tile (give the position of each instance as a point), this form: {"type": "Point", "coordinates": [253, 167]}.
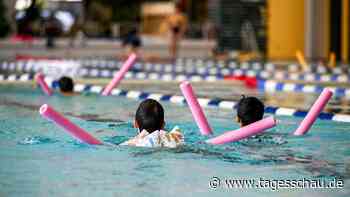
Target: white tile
{"type": "Point", "coordinates": [202, 70]}
{"type": "Point", "coordinates": [195, 78]}
{"type": "Point", "coordinates": [203, 102]}
{"type": "Point", "coordinates": [265, 74]}
{"type": "Point", "coordinates": [309, 88]}
{"type": "Point", "coordinates": [347, 93]}
{"type": "Point", "coordinates": [257, 66]}
{"type": "Point", "coordinates": [325, 78]}
{"type": "Point", "coordinates": [289, 87]}
{"type": "Point", "coordinates": [270, 86]}
{"type": "Point", "coordinates": [211, 78]}
{"type": "Point", "coordinates": [213, 71]}
{"type": "Point", "coordinates": [105, 73]}
{"type": "Point", "coordinates": [96, 89]}
{"type": "Point", "coordinates": [116, 92]}
{"type": "Point", "coordinates": [168, 68]}
{"type": "Point", "coordinates": [177, 99]}
{"type": "Point", "coordinates": [293, 68]}
{"type": "Point", "coordinates": [270, 66]}
{"type": "Point", "coordinates": [154, 76]}
{"type": "Point", "coordinates": [245, 65]}
{"type": "Point", "coordinates": [11, 78]}
{"type": "Point", "coordinates": [79, 87]}
{"type": "Point", "coordinates": [238, 72]}
{"type": "Point", "coordinates": [225, 71]}
{"type": "Point", "coordinates": [129, 75]}
{"type": "Point", "coordinates": [251, 73]}
{"type": "Point", "coordinates": [167, 77]}
{"type": "Point", "coordinates": [341, 118]}
{"type": "Point", "coordinates": [24, 77]}
{"type": "Point", "coordinates": [141, 75]}
{"type": "Point", "coordinates": [294, 76]}
{"type": "Point", "coordinates": [343, 78]}
{"type": "Point", "coordinates": [285, 111]}
{"type": "Point", "coordinates": [180, 78]}
{"type": "Point", "coordinates": [158, 67]}
{"type": "Point", "coordinates": [155, 96]}
{"type": "Point", "coordinates": [94, 72]}
{"type": "Point", "coordinates": [133, 94]}
{"type": "Point", "coordinates": [227, 104]}
{"type": "Point", "coordinates": [310, 77]}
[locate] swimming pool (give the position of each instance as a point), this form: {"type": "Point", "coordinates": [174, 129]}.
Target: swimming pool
{"type": "Point", "coordinates": [39, 159]}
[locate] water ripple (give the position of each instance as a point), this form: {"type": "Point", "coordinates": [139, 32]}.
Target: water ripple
{"type": "Point", "coordinates": [37, 140]}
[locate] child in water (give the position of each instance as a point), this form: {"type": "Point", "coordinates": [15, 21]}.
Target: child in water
{"type": "Point", "coordinates": [149, 120]}
{"type": "Point", "coordinates": [66, 86]}
{"type": "Point", "coordinates": [249, 110]}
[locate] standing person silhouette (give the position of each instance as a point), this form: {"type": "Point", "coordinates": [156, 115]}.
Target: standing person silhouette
{"type": "Point", "coordinates": [177, 24]}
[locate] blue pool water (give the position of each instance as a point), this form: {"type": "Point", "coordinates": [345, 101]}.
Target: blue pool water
{"type": "Point", "coordinates": [39, 159]}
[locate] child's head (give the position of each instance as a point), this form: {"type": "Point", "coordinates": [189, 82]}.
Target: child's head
{"type": "Point", "coordinates": [66, 84]}
{"type": "Point", "coordinates": [249, 110]}
{"type": "Point", "coordinates": [149, 116]}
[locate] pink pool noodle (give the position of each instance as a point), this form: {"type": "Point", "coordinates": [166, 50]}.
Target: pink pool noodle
{"type": "Point", "coordinates": [195, 108]}
{"type": "Point", "coordinates": [119, 75]}
{"type": "Point", "coordinates": [77, 132]}
{"type": "Point", "coordinates": [315, 110]}
{"type": "Point", "coordinates": [244, 132]}
{"type": "Point", "coordinates": [39, 78]}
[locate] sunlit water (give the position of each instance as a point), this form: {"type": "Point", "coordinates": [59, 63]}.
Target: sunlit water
{"type": "Point", "coordinates": [40, 159]}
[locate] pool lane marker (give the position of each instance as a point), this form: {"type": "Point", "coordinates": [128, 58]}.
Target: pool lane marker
{"type": "Point", "coordinates": [282, 75]}
{"type": "Point", "coordinates": [218, 103]}
{"type": "Point", "coordinates": [183, 64]}
{"type": "Point", "coordinates": [187, 65]}
{"type": "Point", "coordinates": [276, 86]}
{"type": "Point", "coordinates": [194, 73]}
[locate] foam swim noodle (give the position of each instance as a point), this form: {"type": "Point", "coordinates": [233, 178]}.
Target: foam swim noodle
{"type": "Point", "coordinates": [119, 75]}
{"type": "Point", "coordinates": [313, 113]}
{"type": "Point", "coordinates": [195, 108]}
{"type": "Point", "coordinates": [39, 78]}
{"type": "Point", "coordinates": [51, 114]}
{"type": "Point", "coordinates": [244, 132]}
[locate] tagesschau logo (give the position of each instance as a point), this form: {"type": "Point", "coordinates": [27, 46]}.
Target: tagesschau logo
{"type": "Point", "coordinates": [275, 184]}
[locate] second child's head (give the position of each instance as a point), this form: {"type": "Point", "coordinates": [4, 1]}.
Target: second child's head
{"type": "Point", "coordinates": [149, 116]}
{"type": "Point", "coordinates": [66, 84]}
{"type": "Point", "coordinates": [249, 110]}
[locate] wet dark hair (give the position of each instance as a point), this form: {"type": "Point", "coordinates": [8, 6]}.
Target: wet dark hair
{"type": "Point", "coordinates": [249, 110]}
{"type": "Point", "coordinates": [66, 84]}
{"type": "Point", "coordinates": [150, 116]}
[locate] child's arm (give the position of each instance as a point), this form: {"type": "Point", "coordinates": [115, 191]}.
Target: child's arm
{"type": "Point", "coordinates": [176, 134]}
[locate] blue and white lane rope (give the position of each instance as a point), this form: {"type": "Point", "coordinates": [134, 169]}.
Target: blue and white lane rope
{"type": "Point", "coordinates": [275, 86]}
{"type": "Point", "coordinates": [197, 63]}
{"type": "Point", "coordinates": [204, 102]}
{"type": "Point", "coordinates": [280, 75]}
{"type": "Point", "coordinates": [263, 85]}
{"type": "Point", "coordinates": [163, 71]}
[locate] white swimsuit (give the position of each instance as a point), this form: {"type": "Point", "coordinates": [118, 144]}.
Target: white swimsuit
{"type": "Point", "coordinates": [157, 138]}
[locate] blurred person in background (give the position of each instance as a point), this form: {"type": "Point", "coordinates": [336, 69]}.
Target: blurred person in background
{"type": "Point", "coordinates": [132, 40]}
{"type": "Point", "coordinates": [77, 34]}
{"type": "Point", "coordinates": [52, 29]}
{"type": "Point", "coordinates": [177, 25]}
